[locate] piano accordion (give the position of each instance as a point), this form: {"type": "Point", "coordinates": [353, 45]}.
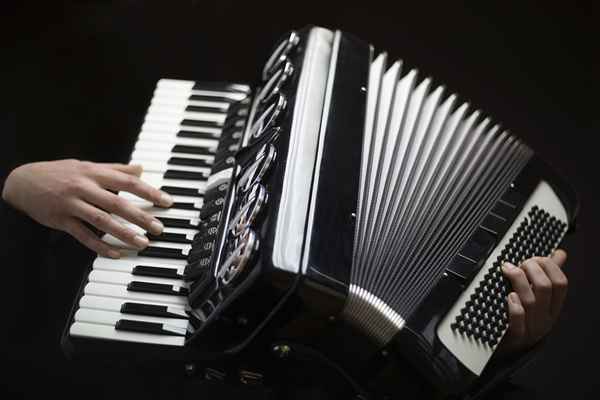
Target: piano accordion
{"type": "Point", "coordinates": [341, 198]}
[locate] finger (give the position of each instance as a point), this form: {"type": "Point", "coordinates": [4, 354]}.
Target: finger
{"type": "Point", "coordinates": [560, 284]}
{"type": "Point", "coordinates": [106, 223]}
{"type": "Point", "coordinates": [123, 208]}
{"type": "Point", "coordinates": [542, 289]}
{"type": "Point", "coordinates": [559, 256]}
{"type": "Point", "coordinates": [130, 169]}
{"type": "Point", "coordinates": [520, 284]}
{"type": "Point", "coordinates": [76, 229]}
{"type": "Point", "coordinates": [116, 180]}
{"type": "Point", "coordinates": [517, 328]}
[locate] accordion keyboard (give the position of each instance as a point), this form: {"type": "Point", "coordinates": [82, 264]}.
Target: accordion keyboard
{"type": "Point", "coordinates": [142, 297]}
{"type": "Point", "coordinates": [476, 323]}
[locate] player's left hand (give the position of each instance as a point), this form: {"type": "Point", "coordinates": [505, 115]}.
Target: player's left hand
{"type": "Point", "coordinates": [539, 291]}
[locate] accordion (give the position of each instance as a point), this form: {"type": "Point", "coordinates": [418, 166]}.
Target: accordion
{"type": "Point", "coordinates": [342, 198]}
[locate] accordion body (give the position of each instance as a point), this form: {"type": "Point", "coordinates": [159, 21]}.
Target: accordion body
{"type": "Point", "coordinates": [343, 204]}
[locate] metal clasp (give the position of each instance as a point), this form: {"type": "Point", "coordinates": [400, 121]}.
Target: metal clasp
{"type": "Point", "coordinates": [274, 84]}
{"type": "Point", "coordinates": [280, 54]}
{"type": "Point", "coordinates": [252, 205]}
{"type": "Point", "coordinates": [272, 110]}
{"type": "Point", "coordinates": [245, 246]}
{"type": "Point", "coordinates": [258, 169]}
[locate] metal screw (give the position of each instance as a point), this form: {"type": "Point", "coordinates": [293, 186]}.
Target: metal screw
{"type": "Point", "coordinates": [282, 350]}
{"type": "Point", "coordinates": [363, 89]}
{"type": "Point", "coordinates": [190, 369]}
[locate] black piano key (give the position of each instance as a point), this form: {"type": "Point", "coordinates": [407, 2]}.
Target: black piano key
{"type": "Point", "coordinates": [177, 223]}
{"type": "Point", "coordinates": [185, 175]}
{"type": "Point", "coordinates": [148, 309]}
{"type": "Point", "coordinates": [199, 97]}
{"type": "Point", "coordinates": [185, 206]}
{"type": "Point", "coordinates": [198, 150]}
{"type": "Point", "coordinates": [189, 162]}
{"type": "Point", "coordinates": [161, 272]}
{"type": "Point", "coordinates": [169, 237]}
{"type": "Point", "coordinates": [181, 191]}
{"type": "Point", "coordinates": [221, 87]}
{"type": "Point", "coordinates": [162, 252]}
{"type": "Point", "coordinates": [197, 135]}
{"type": "Point", "coordinates": [158, 288]}
{"type": "Point", "coordinates": [206, 109]}
{"type": "Point", "coordinates": [200, 124]}
{"type": "Point", "coordinates": [143, 327]}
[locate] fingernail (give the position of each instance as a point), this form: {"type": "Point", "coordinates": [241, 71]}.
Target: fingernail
{"type": "Point", "coordinates": [139, 168]}
{"type": "Point", "coordinates": [114, 254]}
{"type": "Point", "coordinates": [166, 200]}
{"type": "Point", "coordinates": [512, 297]}
{"type": "Point", "coordinates": [508, 266]}
{"type": "Point", "coordinates": [156, 227]}
{"type": "Point", "coordinates": [141, 241]}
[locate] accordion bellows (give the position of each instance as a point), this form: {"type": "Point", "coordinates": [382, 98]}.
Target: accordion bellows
{"type": "Point", "coordinates": [432, 170]}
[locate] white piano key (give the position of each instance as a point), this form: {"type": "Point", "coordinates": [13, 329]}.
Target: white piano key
{"type": "Point", "coordinates": [181, 90]}
{"type": "Point", "coordinates": [180, 101]}
{"type": "Point", "coordinates": [111, 318]}
{"type": "Point", "coordinates": [165, 147]}
{"type": "Point", "coordinates": [156, 179]}
{"type": "Point", "coordinates": [124, 278]}
{"type": "Point", "coordinates": [173, 139]}
{"type": "Point", "coordinates": [114, 304]}
{"type": "Point", "coordinates": [113, 241]}
{"type": "Point", "coordinates": [230, 96]}
{"type": "Point", "coordinates": [121, 292]}
{"type": "Point", "coordinates": [83, 329]}
{"type": "Point", "coordinates": [159, 156]}
{"type": "Point", "coordinates": [146, 206]}
{"type": "Point", "coordinates": [169, 117]}
{"type": "Point", "coordinates": [197, 201]}
{"type": "Point", "coordinates": [127, 264]}
{"type": "Point", "coordinates": [177, 108]}
{"type": "Point", "coordinates": [175, 83]}
{"type": "Point", "coordinates": [174, 127]}
{"type": "Point", "coordinates": [157, 166]}
{"type": "Point", "coordinates": [189, 85]}
{"type": "Point", "coordinates": [190, 233]}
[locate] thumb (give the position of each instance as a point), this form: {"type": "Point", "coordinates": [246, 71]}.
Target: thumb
{"type": "Point", "coordinates": [559, 256]}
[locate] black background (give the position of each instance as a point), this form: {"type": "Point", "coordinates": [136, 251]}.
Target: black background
{"type": "Point", "coordinates": [80, 75]}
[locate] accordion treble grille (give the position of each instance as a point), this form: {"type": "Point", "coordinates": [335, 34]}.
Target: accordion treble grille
{"type": "Point", "coordinates": [430, 174]}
